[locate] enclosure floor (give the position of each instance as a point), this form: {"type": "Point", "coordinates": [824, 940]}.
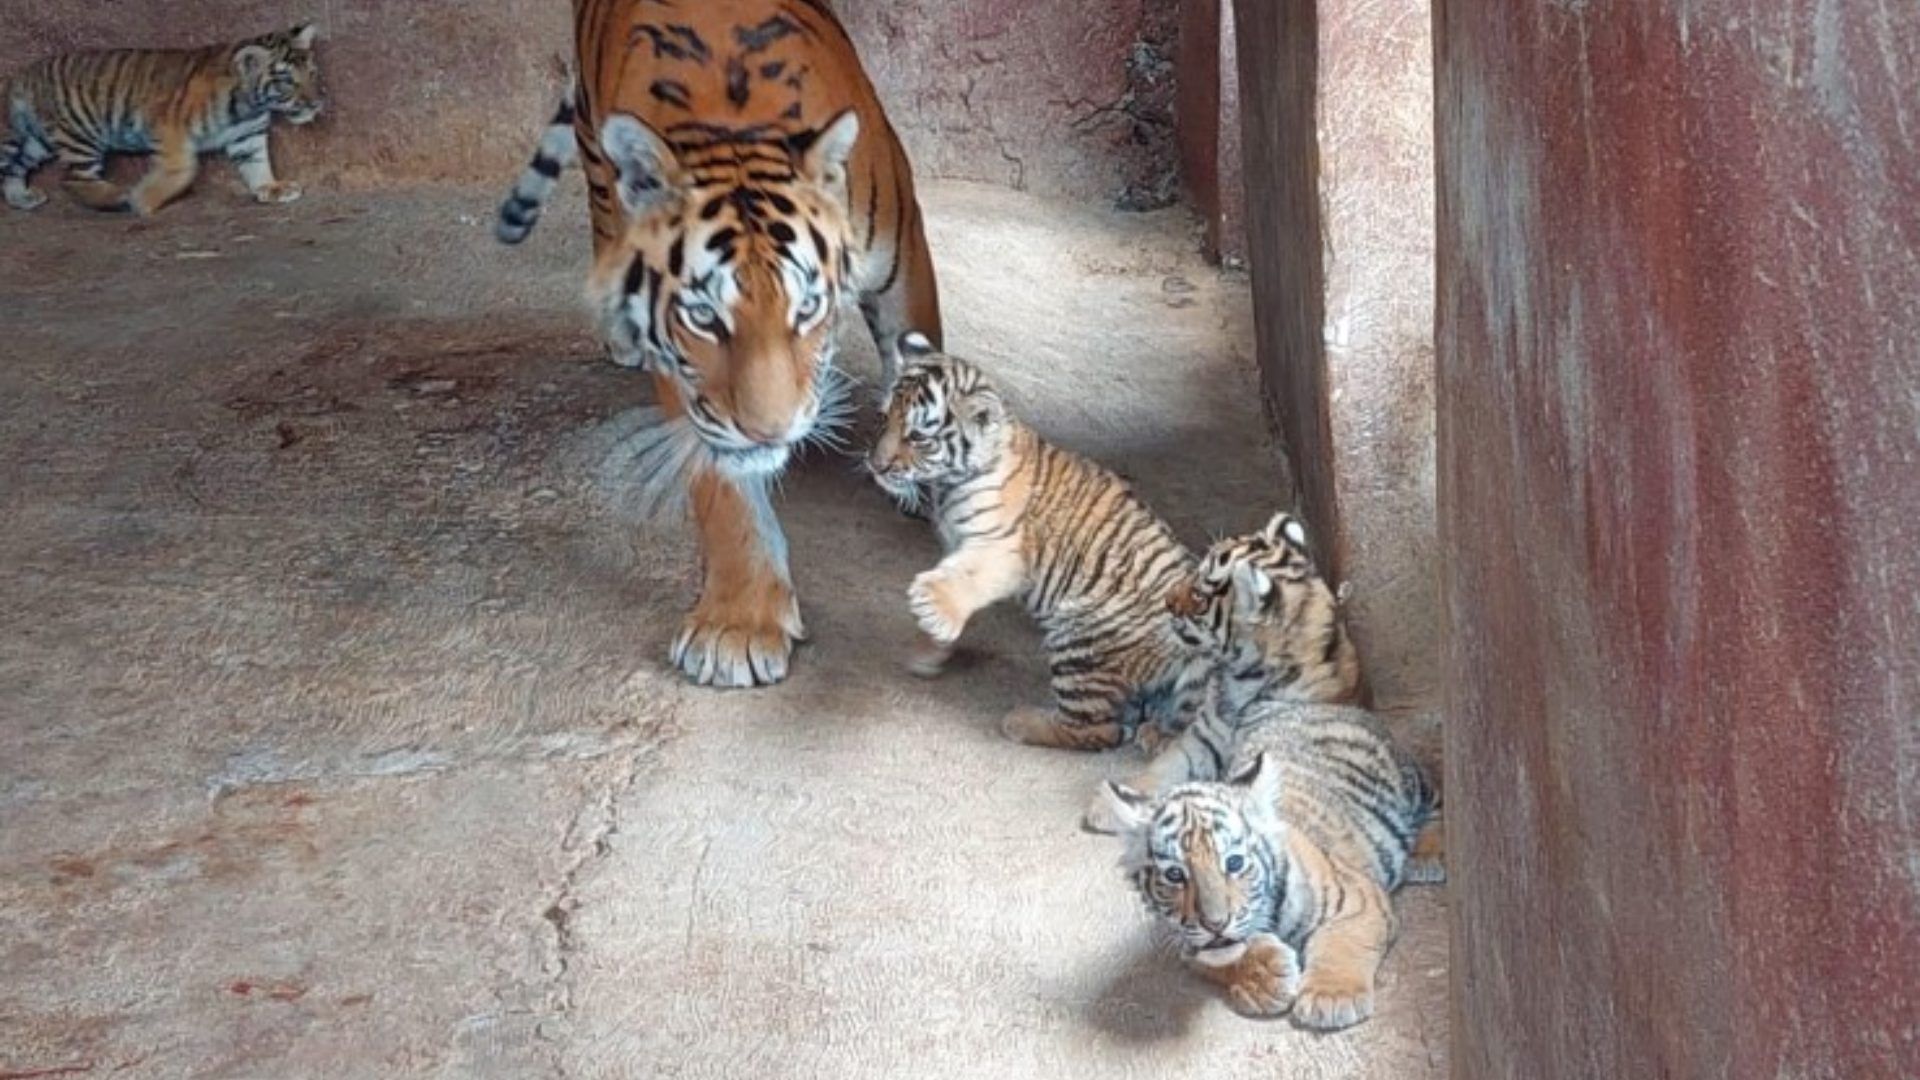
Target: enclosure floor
{"type": "Point", "coordinates": [338, 739]}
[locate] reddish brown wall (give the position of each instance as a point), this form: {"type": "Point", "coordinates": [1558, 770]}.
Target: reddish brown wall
{"type": "Point", "coordinates": [1679, 405]}
{"type": "Point", "coordinates": [1031, 93]}
{"type": "Point", "coordinates": [1337, 106]}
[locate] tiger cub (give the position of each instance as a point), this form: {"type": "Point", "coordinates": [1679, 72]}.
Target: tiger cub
{"type": "Point", "coordinates": [1281, 826]}
{"type": "Point", "coordinates": [1019, 516]}
{"type": "Point", "coordinates": [1262, 614]}
{"type": "Point", "coordinates": [175, 104]}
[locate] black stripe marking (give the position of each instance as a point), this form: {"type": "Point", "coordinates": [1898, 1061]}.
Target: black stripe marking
{"type": "Point", "coordinates": [754, 39]}
{"type": "Point", "coordinates": [671, 92]}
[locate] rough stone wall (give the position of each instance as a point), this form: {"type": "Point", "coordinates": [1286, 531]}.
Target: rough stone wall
{"type": "Point", "coordinates": [1679, 402]}
{"type": "Point", "coordinates": [1337, 136]}
{"type": "Point", "coordinates": [1060, 98]}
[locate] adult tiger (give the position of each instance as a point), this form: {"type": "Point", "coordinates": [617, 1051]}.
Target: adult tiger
{"type": "Point", "coordinates": [745, 184]}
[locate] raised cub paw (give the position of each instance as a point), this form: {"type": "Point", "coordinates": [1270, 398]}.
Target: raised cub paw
{"type": "Point", "coordinates": [1330, 1002]}
{"type": "Point", "coordinates": [1264, 980]}
{"type": "Point", "coordinates": [279, 191]}
{"type": "Point", "coordinates": [935, 607]}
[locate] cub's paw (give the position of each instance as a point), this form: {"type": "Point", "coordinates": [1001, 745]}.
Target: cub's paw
{"type": "Point", "coordinates": [738, 644]}
{"type": "Point", "coordinates": [1331, 1001]}
{"type": "Point", "coordinates": [935, 607]}
{"type": "Point", "coordinates": [279, 191]}
{"type": "Point", "coordinates": [929, 658]}
{"type": "Point", "coordinates": [1265, 978]}
{"type": "Point", "coordinates": [26, 199]}
{"type": "Point", "coordinates": [1102, 815]}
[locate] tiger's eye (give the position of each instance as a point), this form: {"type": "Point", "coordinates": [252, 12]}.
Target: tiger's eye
{"type": "Point", "coordinates": [1235, 864]}
{"type": "Point", "coordinates": [1174, 875]}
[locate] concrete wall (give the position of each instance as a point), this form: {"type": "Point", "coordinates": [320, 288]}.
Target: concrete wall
{"type": "Point", "coordinates": [1679, 401]}
{"type": "Point", "coordinates": [1337, 141]}
{"type": "Point", "coordinates": [1052, 96]}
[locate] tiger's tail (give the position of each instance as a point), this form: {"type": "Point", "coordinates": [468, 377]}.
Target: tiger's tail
{"type": "Point", "coordinates": [558, 149]}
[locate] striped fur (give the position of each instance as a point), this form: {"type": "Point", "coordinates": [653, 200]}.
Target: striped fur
{"type": "Point", "coordinates": [558, 149]}
{"type": "Point", "coordinates": [745, 190]}
{"type": "Point", "coordinates": [1276, 878]}
{"type": "Point", "coordinates": [174, 104]}
{"type": "Point", "coordinates": [1260, 611]}
{"type": "Point", "coordinates": [1020, 517]}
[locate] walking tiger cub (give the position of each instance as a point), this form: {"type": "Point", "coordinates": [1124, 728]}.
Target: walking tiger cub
{"type": "Point", "coordinates": [1269, 835]}
{"type": "Point", "coordinates": [175, 104]}
{"type": "Point", "coordinates": [1020, 517]}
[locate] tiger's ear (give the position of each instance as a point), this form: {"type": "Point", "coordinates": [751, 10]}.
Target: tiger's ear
{"type": "Point", "coordinates": [251, 62]}
{"type": "Point", "coordinates": [1130, 807]}
{"type": "Point", "coordinates": [303, 36]}
{"type": "Point", "coordinates": [824, 160]}
{"type": "Point", "coordinates": [1260, 777]}
{"type": "Point", "coordinates": [1252, 589]}
{"type": "Point", "coordinates": [982, 410]}
{"type": "Point", "coordinates": [1286, 529]}
{"type": "Point", "coordinates": [648, 169]}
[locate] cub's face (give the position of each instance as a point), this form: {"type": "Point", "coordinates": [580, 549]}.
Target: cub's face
{"type": "Point", "coordinates": [1247, 589]}
{"type": "Point", "coordinates": [1202, 856]}
{"type": "Point", "coordinates": [728, 278]}
{"type": "Point", "coordinates": [280, 71]}
{"type": "Point", "coordinates": [944, 423]}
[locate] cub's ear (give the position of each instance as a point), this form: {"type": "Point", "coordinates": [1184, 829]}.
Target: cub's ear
{"type": "Point", "coordinates": [1286, 529]}
{"type": "Point", "coordinates": [649, 170]}
{"type": "Point", "coordinates": [1252, 589]}
{"type": "Point", "coordinates": [303, 36]}
{"type": "Point", "coordinates": [823, 160]}
{"type": "Point", "coordinates": [1261, 778]}
{"type": "Point", "coordinates": [1130, 807]}
{"type": "Point", "coordinates": [983, 410]}
{"type": "Point", "coordinates": [914, 344]}
{"type": "Point", "coordinates": [251, 63]}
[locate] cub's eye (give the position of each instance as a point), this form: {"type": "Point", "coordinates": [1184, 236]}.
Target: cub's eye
{"type": "Point", "coordinates": [700, 316]}
{"type": "Point", "coordinates": [811, 306]}
{"type": "Point", "coordinates": [1174, 875]}
{"type": "Point", "coordinates": [1235, 864]}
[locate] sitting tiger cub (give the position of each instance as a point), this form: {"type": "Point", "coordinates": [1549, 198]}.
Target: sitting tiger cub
{"type": "Point", "coordinates": [1021, 517]}
{"type": "Point", "coordinates": [175, 104]}
{"type": "Point", "coordinates": [1257, 607]}
{"type": "Point", "coordinates": [1287, 823]}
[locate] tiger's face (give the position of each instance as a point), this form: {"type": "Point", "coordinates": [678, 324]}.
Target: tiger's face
{"type": "Point", "coordinates": [944, 423]}
{"type": "Point", "coordinates": [280, 74]}
{"type": "Point", "coordinates": [728, 279]}
{"type": "Point", "coordinates": [1203, 857]}
{"type": "Point", "coordinates": [1248, 591]}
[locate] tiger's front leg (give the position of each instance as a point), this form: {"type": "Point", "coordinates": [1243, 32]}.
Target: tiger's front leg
{"type": "Point", "coordinates": [944, 598]}
{"type": "Point", "coordinates": [742, 629]}
{"type": "Point", "coordinates": [250, 156]}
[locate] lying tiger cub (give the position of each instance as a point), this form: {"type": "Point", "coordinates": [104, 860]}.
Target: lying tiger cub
{"type": "Point", "coordinates": [1279, 829]}
{"type": "Point", "coordinates": [1021, 517]}
{"type": "Point", "coordinates": [175, 104]}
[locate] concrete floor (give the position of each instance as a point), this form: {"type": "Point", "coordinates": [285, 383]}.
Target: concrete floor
{"type": "Point", "coordinates": [336, 738]}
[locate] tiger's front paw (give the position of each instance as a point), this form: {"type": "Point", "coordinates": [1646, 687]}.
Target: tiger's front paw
{"type": "Point", "coordinates": [279, 191]}
{"type": "Point", "coordinates": [744, 642]}
{"type": "Point", "coordinates": [936, 608]}
{"type": "Point", "coordinates": [1265, 978]}
{"type": "Point", "coordinates": [929, 658]}
{"type": "Point", "coordinates": [1329, 1001]}
{"type": "Point", "coordinates": [26, 198]}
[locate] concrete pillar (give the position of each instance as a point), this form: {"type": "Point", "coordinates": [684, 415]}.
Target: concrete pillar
{"type": "Point", "coordinates": [1679, 403]}
{"type": "Point", "coordinates": [1337, 107]}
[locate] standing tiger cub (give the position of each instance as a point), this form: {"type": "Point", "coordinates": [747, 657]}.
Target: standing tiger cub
{"type": "Point", "coordinates": [1020, 517]}
{"type": "Point", "coordinates": [174, 104]}
{"type": "Point", "coordinates": [745, 188]}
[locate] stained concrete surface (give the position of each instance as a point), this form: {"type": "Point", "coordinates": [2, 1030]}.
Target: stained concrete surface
{"type": "Point", "coordinates": [336, 738]}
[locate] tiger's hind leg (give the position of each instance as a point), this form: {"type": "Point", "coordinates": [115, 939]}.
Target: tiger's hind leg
{"type": "Point", "coordinates": [20, 156]}
{"type": "Point", "coordinates": [909, 298]}
{"type": "Point", "coordinates": [175, 164]}
{"type": "Point", "coordinates": [86, 181]}
{"type": "Point", "coordinates": [1427, 861]}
